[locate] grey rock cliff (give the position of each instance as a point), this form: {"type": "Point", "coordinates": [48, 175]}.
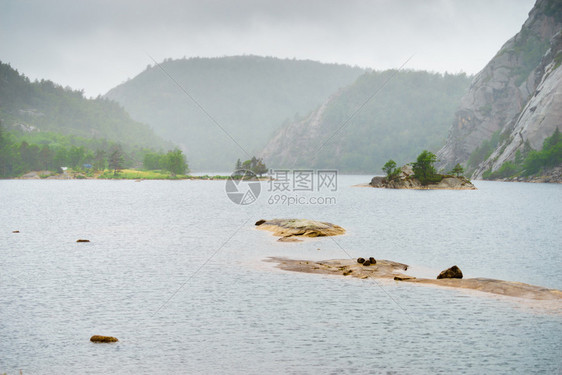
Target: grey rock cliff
{"type": "Point", "coordinates": [517, 94]}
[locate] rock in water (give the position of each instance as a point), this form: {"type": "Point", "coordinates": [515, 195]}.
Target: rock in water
{"type": "Point", "coordinates": [301, 227]}
{"type": "Point", "coordinates": [82, 240]}
{"type": "Point", "coordinates": [98, 338]}
{"type": "Point", "coordinates": [451, 273]}
{"type": "Point", "coordinates": [260, 222]}
{"type": "Point", "coordinates": [404, 278]}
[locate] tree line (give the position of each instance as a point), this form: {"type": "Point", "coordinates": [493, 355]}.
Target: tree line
{"type": "Point", "coordinates": [18, 157]}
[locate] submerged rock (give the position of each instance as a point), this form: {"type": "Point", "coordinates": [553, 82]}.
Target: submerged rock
{"type": "Point", "coordinates": [301, 227]}
{"type": "Point", "coordinates": [451, 273]}
{"type": "Point", "coordinates": [403, 278]}
{"type": "Point", "coordinates": [289, 239]}
{"type": "Point", "coordinates": [98, 338]}
{"type": "Point", "coordinates": [387, 269]}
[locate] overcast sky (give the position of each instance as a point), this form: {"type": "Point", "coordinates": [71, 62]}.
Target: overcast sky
{"type": "Point", "coordinates": [95, 45]}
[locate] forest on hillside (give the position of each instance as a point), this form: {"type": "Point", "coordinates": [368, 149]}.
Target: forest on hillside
{"type": "Point", "coordinates": [43, 106]}
{"type": "Point", "coordinates": [408, 111]}
{"type": "Point", "coordinates": [248, 97]}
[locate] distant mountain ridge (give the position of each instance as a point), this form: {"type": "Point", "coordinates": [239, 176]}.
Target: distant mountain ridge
{"type": "Point", "coordinates": [45, 106]}
{"type": "Point", "coordinates": [515, 102]}
{"type": "Point", "coordinates": [411, 113]}
{"type": "Point", "coordinates": [248, 96]}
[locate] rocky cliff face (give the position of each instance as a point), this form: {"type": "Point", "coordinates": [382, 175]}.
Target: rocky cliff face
{"type": "Point", "coordinates": [350, 132]}
{"type": "Point", "coordinates": [518, 94]}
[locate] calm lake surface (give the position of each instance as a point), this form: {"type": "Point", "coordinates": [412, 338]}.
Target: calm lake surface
{"type": "Point", "coordinates": [175, 270]}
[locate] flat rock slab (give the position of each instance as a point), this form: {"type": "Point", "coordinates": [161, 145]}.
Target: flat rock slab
{"type": "Point", "coordinates": [387, 269]}
{"type": "Point", "coordinates": [300, 227]}
{"type": "Point", "coordinates": [501, 287]}
{"type": "Point", "coordinates": [347, 267]}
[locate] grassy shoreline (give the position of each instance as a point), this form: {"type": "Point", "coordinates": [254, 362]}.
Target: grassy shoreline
{"type": "Point", "coordinates": [124, 174]}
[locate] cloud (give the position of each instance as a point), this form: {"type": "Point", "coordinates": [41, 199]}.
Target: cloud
{"type": "Point", "coordinates": [95, 45]}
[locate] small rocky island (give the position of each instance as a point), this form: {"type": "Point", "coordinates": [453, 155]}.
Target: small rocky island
{"type": "Point", "coordinates": [288, 229]}
{"type": "Point", "coordinates": [387, 269]}
{"type": "Point", "coordinates": [421, 175]}
{"type": "Point", "coordinates": [406, 179]}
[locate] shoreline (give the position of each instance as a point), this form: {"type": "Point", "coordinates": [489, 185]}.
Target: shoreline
{"type": "Point", "coordinates": [126, 174]}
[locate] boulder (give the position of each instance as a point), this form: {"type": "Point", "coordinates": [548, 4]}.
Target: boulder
{"type": "Point", "coordinates": [379, 182]}
{"type": "Point", "coordinates": [366, 263]}
{"type": "Point", "coordinates": [260, 222]}
{"type": "Point", "coordinates": [451, 273]}
{"type": "Point", "coordinates": [407, 170]}
{"type": "Point", "coordinates": [98, 338]}
{"type": "Point", "coordinates": [372, 260]}
{"type": "Point", "coordinates": [81, 240]}
{"type": "Point", "coordinates": [360, 260]}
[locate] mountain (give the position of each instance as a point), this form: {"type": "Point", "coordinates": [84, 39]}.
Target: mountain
{"type": "Point", "coordinates": [43, 106]}
{"type": "Point", "coordinates": [515, 102]}
{"type": "Point", "coordinates": [247, 96]}
{"type": "Point", "coordinates": [411, 112]}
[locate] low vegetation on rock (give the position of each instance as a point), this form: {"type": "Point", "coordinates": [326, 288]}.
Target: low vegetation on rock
{"type": "Point", "coordinates": [421, 174]}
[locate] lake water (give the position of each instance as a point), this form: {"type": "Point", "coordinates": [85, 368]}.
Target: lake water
{"type": "Point", "coordinates": [175, 270]}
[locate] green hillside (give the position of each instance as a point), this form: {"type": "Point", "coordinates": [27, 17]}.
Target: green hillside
{"type": "Point", "coordinates": [412, 112]}
{"type": "Point", "coordinates": [43, 106]}
{"type": "Point", "coordinates": [248, 96]}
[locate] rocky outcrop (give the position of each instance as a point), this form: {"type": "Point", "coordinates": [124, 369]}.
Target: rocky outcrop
{"type": "Point", "coordinates": [287, 228]}
{"type": "Point", "coordinates": [352, 133]}
{"type": "Point", "coordinates": [518, 94]}
{"type": "Point", "coordinates": [539, 118]}
{"type": "Point", "coordinates": [406, 180]}
{"type": "Point", "coordinates": [450, 273]}
{"type": "Point", "coordinates": [387, 269]}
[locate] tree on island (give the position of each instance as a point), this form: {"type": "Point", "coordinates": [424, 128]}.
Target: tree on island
{"type": "Point", "coordinates": [424, 169]}
{"type": "Point", "coordinates": [255, 165]}
{"type": "Point", "coordinates": [116, 160]}
{"type": "Point", "coordinates": [390, 169]}
{"type": "Point", "coordinates": [458, 170]}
